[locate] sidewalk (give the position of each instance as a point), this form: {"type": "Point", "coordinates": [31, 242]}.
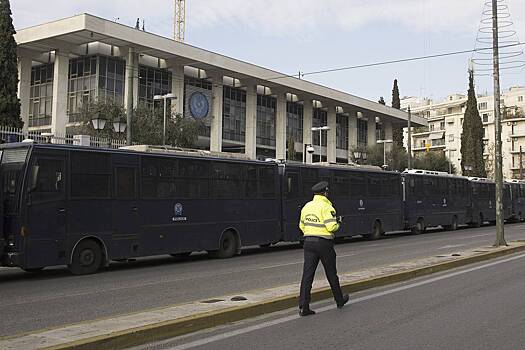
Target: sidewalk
{"type": "Point", "coordinates": [152, 325]}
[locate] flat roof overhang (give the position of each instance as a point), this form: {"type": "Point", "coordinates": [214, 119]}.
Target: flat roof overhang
{"type": "Point", "coordinates": [85, 28]}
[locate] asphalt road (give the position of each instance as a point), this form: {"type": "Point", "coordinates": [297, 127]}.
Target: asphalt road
{"type": "Point", "coordinates": [477, 307]}
{"type": "Point", "coordinates": [54, 297]}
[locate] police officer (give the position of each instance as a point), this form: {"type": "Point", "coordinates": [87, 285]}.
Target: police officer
{"type": "Point", "coordinates": [319, 223]}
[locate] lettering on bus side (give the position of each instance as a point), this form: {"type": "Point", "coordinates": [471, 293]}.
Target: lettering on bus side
{"type": "Point", "coordinates": [178, 211]}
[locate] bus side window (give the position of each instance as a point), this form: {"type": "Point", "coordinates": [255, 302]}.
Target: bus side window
{"type": "Point", "coordinates": [125, 183]}
{"type": "Point", "coordinates": [47, 180]}
{"type": "Point", "coordinates": [292, 186]}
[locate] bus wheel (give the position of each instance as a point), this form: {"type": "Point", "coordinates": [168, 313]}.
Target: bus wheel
{"type": "Point", "coordinates": [419, 228]}
{"type": "Point", "coordinates": [34, 269]}
{"type": "Point", "coordinates": [453, 225]}
{"type": "Point", "coordinates": [377, 231]}
{"type": "Point", "coordinates": [87, 258]}
{"type": "Point", "coordinates": [227, 246]}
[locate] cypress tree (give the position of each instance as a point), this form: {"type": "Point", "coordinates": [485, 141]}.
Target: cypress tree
{"type": "Point", "coordinates": [397, 131]}
{"type": "Point", "coordinates": [9, 103]}
{"type": "Point", "coordinates": [472, 137]}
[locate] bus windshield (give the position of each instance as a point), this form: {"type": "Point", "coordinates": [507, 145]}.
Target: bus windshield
{"type": "Point", "coordinates": [12, 168]}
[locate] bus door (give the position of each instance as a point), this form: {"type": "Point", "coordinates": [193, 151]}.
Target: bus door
{"type": "Point", "coordinates": [126, 207]}
{"type": "Point", "coordinates": [45, 242]}
{"type": "Point", "coordinates": [293, 201]}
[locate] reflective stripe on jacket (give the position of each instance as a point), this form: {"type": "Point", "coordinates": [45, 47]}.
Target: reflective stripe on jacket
{"type": "Point", "coordinates": [318, 218]}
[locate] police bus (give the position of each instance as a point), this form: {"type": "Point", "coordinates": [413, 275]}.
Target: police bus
{"type": "Point", "coordinates": [81, 207]}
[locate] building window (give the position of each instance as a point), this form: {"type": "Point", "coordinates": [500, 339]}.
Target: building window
{"type": "Point", "coordinates": [431, 127]}
{"type": "Point", "coordinates": [438, 142]}
{"type": "Point", "coordinates": [450, 110]}
{"type": "Point", "coordinates": [266, 107]}
{"type": "Point", "coordinates": [485, 118]}
{"type": "Point", "coordinates": [41, 95]}
{"type": "Point", "coordinates": [342, 132]}
{"type": "Point", "coordinates": [362, 132]}
{"type": "Point", "coordinates": [482, 106]}
{"type": "Point", "coordinates": [451, 138]}
{"type": "Point", "coordinates": [234, 114]}
{"type": "Point", "coordinates": [82, 85]}
{"type": "Point", "coordinates": [153, 81]}
{"type": "Point", "coordinates": [423, 143]}
{"type": "Point", "coordinates": [442, 125]}
{"type": "Point", "coordinates": [294, 121]}
{"type": "Point", "coordinates": [320, 118]}
{"type": "Point", "coordinates": [520, 98]}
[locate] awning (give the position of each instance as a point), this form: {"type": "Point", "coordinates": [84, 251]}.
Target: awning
{"type": "Point", "coordinates": [437, 136]}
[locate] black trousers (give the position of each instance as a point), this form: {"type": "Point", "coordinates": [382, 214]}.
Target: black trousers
{"type": "Point", "coordinates": [316, 249]}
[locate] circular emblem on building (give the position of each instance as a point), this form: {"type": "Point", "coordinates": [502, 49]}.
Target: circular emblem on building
{"type": "Point", "coordinates": [199, 105]}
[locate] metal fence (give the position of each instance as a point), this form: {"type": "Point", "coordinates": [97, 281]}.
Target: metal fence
{"type": "Point", "coordinates": [8, 135]}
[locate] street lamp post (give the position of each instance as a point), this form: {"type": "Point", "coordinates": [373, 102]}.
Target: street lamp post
{"type": "Point", "coordinates": [321, 129]}
{"type": "Point", "coordinates": [308, 148]}
{"type": "Point", "coordinates": [169, 96]}
{"type": "Point", "coordinates": [98, 124]}
{"type": "Point", "coordinates": [384, 142]}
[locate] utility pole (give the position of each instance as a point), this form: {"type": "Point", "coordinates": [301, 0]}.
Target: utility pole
{"type": "Point", "coordinates": [500, 230]}
{"type": "Point", "coordinates": [409, 141]}
{"type": "Point", "coordinates": [130, 104]}
{"type": "Point", "coordinates": [521, 165]}
{"type": "Point", "coordinates": [179, 20]}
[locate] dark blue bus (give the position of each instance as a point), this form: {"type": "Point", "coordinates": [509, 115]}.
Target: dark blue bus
{"type": "Point", "coordinates": [435, 199]}
{"type": "Point", "coordinates": [369, 200]}
{"type": "Point", "coordinates": [81, 207]}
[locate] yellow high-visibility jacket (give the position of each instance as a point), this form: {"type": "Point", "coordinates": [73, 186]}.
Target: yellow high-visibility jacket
{"type": "Point", "coordinates": [318, 218]}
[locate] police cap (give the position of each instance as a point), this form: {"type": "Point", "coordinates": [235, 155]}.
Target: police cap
{"type": "Point", "coordinates": [320, 187]}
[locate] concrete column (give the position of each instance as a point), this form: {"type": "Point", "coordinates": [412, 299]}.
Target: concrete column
{"type": "Point", "coordinates": [372, 139]}
{"type": "Point", "coordinates": [331, 144]}
{"type": "Point", "coordinates": [131, 95]}
{"type": "Point", "coordinates": [60, 86]}
{"type": "Point", "coordinates": [24, 86]}
{"type": "Point", "coordinates": [177, 88]}
{"type": "Point", "coordinates": [216, 117]}
{"type": "Point", "coordinates": [251, 121]}
{"type": "Point", "coordinates": [280, 126]}
{"type": "Point", "coordinates": [308, 112]}
{"type": "Point", "coordinates": [352, 134]}
{"type": "Point", "coordinates": [387, 125]}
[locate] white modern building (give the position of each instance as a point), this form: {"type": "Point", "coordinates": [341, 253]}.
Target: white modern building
{"type": "Point", "coordinates": [445, 126]}
{"type": "Point", "coordinates": [246, 108]}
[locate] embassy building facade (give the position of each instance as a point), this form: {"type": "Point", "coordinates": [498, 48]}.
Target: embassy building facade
{"type": "Point", "coordinates": [245, 108]}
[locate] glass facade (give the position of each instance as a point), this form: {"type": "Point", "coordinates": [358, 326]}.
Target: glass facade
{"type": "Point", "coordinates": [266, 108]}
{"type": "Point", "coordinates": [41, 95]}
{"type": "Point", "coordinates": [342, 132]}
{"type": "Point", "coordinates": [153, 81]}
{"type": "Point", "coordinates": [320, 118]}
{"type": "Point", "coordinates": [294, 121]}
{"type": "Point", "coordinates": [82, 84]}
{"type": "Point", "coordinates": [112, 72]}
{"type": "Point", "coordinates": [362, 132]}
{"type": "Point", "coordinates": [234, 114]}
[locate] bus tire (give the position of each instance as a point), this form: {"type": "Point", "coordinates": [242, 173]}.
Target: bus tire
{"type": "Point", "coordinates": [227, 246]}
{"type": "Point", "coordinates": [453, 224]}
{"type": "Point", "coordinates": [377, 231]}
{"type": "Point", "coordinates": [86, 259]}
{"type": "Point", "coordinates": [419, 227]}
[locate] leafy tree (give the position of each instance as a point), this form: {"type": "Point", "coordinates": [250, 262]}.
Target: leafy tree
{"type": "Point", "coordinates": [436, 161]}
{"type": "Point", "coordinates": [472, 137]}
{"type": "Point", "coordinates": [381, 101]}
{"type": "Point", "coordinates": [396, 158]}
{"type": "Point", "coordinates": [9, 103]}
{"type": "Point", "coordinates": [397, 130]}
{"type": "Point", "coordinates": [108, 109]}
{"type": "Point", "coordinates": [291, 149]}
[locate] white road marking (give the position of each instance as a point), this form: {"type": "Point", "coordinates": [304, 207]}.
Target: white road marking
{"type": "Point", "coordinates": [278, 321]}
{"type": "Point", "coordinates": [452, 246]}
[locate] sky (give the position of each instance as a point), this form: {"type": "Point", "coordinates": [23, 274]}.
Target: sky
{"type": "Point", "coordinates": [311, 35]}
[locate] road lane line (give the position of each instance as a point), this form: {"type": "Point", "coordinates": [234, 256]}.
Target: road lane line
{"type": "Point", "coordinates": [278, 321]}
{"type": "Point", "coordinates": [452, 246]}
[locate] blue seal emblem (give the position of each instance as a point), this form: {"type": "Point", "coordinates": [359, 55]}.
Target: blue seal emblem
{"type": "Point", "coordinates": [178, 209]}
{"type": "Point", "coordinates": [178, 212]}
{"type": "Point", "coordinates": [199, 105]}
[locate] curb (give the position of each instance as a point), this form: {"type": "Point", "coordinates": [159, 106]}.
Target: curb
{"type": "Point", "coordinates": [170, 329]}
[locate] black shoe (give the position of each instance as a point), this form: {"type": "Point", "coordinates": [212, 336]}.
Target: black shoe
{"type": "Point", "coordinates": [346, 297]}
{"type": "Point", "coordinates": [306, 312]}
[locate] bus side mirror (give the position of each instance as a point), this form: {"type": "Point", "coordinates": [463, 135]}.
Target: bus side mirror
{"type": "Point", "coordinates": [34, 178]}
